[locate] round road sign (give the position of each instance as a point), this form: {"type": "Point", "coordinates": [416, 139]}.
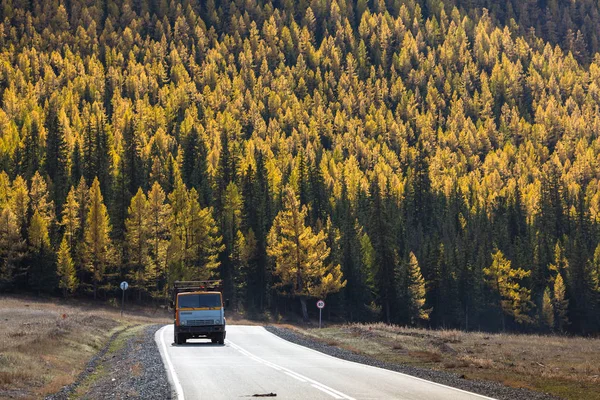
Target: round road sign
{"type": "Point", "coordinates": [124, 285]}
{"type": "Point", "coordinates": [320, 304]}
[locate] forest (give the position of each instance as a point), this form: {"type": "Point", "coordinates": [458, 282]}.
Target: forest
{"type": "Point", "coordinates": [417, 162]}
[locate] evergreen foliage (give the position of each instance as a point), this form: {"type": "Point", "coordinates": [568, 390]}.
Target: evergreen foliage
{"type": "Point", "coordinates": [155, 141]}
{"type": "Point", "coordinates": [301, 255]}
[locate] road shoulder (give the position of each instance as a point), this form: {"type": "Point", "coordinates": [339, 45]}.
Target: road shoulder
{"type": "Point", "coordinates": [130, 367]}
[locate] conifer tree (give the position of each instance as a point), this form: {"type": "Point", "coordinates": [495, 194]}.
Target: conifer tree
{"type": "Point", "coordinates": [12, 246]}
{"type": "Point", "coordinates": [137, 235]}
{"type": "Point", "coordinates": [31, 158]}
{"type": "Point", "coordinates": [561, 304]}
{"type": "Point", "coordinates": [40, 201]}
{"type": "Point", "coordinates": [5, 190]}
{"type": "Point", "coordinates": [240, 254]}
{"type": "Point", "coordinates": [300, 255]}
{"type": "Point", "coordinates": [57, 150]}
{"type": "Point", "coordinates": [231, 222]}
{"type": "Point", "coordinates": [65, 268]}
{"type": "Point", "coordinates": [416, 291]}
{"type": "Point", "coordinates": [19, 204]}
{"type": "Point", "coordinates": [98, 249]}
{"type": "Point", "coordinates": [367, 253]}
{"type": "Point", "coordinates": [70, 218]}
{"type": "Point", "coordinates": [178, 227]}
{"type": "Point", "coordinates": [356, 294]}
{"type": "Point", "coordinates": [132, 148]}
{"type": "Point", "coordinates": [547, 310]}
{"type": "Point", "coordinates": [158, 236]}
{"type": "Point", "coordinates": [39, 271]}
{"type": "Point", "coordinates": [385, 261]}
{"type": "Point", "coordinates": [76, 163]}
{"type": "Point", "coordinates": [38, 236]}
{"type": "Point", "coordinates": [505, 281]}
{"type": "Point", "coordinates": [205, 243]}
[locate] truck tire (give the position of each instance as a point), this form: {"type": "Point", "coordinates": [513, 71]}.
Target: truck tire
{"type": "Point", "coordinates": [179, 338]}
{"type": "Point", "coordinates": [221, 338]}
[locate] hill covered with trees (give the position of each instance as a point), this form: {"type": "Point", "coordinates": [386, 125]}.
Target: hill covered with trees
{"type": "Point", "coordinates": [432, 164]}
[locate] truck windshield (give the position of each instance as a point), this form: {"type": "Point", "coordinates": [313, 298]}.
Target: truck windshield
{"type": "Point", "coordinates": [200, 300]}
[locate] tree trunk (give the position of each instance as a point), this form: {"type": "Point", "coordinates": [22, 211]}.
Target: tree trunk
{"type": "Point", "coordinates": [304, 309]}
{"type": "Point", "coordinates": [95, 281]}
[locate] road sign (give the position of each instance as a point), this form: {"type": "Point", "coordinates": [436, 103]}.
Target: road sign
{"type": "Point", "coordinates": [320, 305]}
{"type": "Point", "coordinates": [124, 285]}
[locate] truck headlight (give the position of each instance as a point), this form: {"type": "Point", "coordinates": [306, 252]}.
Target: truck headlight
{"type": "Point", "coordinates": [184, 322]}
{"type": "Point", "coordinates": [217, 321]}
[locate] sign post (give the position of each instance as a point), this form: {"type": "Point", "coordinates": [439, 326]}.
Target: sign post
{"type": "Point", "coordinates": [124, 285]}
{"type": "Point", "coordinates": [320, 305]}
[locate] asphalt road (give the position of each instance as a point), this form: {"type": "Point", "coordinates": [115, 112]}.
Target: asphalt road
{"type": "Point", "coordinates": [254, 362]}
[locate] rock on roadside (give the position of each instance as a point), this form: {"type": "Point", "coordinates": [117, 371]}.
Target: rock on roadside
{"type": "Point", "coordinates": [486, 388]}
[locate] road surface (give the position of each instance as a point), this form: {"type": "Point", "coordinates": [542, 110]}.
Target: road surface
{"type": "Point", "coordinates": [256, 362]}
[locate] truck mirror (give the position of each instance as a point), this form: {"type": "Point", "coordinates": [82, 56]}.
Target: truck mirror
{"type": "Point", "coordinates": [226, 303]}
{"type": "Point", "coordinates": [171, 304]}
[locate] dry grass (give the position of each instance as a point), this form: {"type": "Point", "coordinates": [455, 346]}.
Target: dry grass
{"type": "Point", "coordinates": [44, 344]}
{"type": "Point", "coordinates": [238, 318]}
{"type": "Point", "coordinates": [565, 366]}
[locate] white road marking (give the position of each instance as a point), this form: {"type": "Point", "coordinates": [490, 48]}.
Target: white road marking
{"type": "Point", "coordinates": [383, 369]}
{"type": "Point", "coordinates": [324, 388]}
{"type": "Point", "coordinates": [169, 364]}
{"type": "Point", "coordinates": [294, 376]}
{"type": "Point", "coordinates": [327, 391]}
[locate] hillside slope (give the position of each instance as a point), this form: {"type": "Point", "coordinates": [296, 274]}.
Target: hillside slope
{"type": "Point", "coordinates": [450, 162]}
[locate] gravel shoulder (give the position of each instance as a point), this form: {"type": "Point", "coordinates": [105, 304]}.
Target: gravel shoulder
{"type": "Point", "coordinates": [129, 367]}
{"type": "Point", "coordinates": [486, 388]}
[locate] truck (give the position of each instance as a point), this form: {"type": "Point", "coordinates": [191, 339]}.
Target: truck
{"type": "Point", "coordinates": [199, 311]}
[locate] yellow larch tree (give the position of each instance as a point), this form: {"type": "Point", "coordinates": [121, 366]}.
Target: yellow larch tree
{"type": "Point", "coordinates": [158, 226]}
{"type": "Point", "coordinates": [561, 304]}
{"type": "Point", "coordinates": [416, 291]}
{"type": "Point", "coordinates": [65, 268]}
{"type": "Point", "coordinates": [515, 300]}
{"type": "Point", "coordinates": [300, 255]}
{"type": "Point", "coordinates": [137, 237]}
{"type": "Point", "coordinates": [98, 246]}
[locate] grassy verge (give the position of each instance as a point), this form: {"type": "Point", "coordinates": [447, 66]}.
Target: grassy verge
{"type": "Point", "coordinates": [44, 345]}
{"type": "Point", "coordinates": [100, 372]}
{"type": "Point", "coordinates": [568, 367]}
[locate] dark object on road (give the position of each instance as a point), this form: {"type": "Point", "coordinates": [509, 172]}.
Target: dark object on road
{"type": "Point", "coordinates": [265, 395]}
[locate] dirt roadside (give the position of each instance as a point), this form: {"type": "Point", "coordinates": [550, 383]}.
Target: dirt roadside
{"type": "Point", "coordinates": [45, 344]}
